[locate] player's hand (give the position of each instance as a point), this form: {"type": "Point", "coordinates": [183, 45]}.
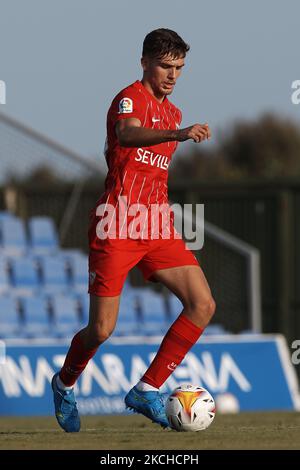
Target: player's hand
{"type": "Point", "coordinates": [197, 132]}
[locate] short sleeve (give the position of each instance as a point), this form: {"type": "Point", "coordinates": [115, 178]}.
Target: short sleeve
{"type": "Point", "coordinates": [129, 103]}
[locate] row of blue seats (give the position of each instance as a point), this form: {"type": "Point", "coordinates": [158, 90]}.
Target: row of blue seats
{"type": "Point", "coordinates": [39, 235]}
{"type": "Point", "coordinates": [44, 288]}
{"type": "Point", "coordinates": [51, 273]}
{"type": "Point", "coordinates": [41, 316]}
{"type": "Point", "coordinates": [141, 312]}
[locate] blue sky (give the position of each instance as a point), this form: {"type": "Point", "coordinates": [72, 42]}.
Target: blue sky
{"type": "Point", "coordinates": [64, 60]}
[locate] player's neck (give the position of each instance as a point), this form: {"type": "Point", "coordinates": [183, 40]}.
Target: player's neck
{"type": "Point", "coordinates": [160, 98]}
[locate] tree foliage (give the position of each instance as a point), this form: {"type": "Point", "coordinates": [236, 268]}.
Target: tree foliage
{"type": "Point", "coordinates": [266, 148]}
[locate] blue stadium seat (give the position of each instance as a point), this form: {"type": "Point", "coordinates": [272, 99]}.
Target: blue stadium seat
{"type": "Point", "coordinates": [13, 236]}
{"type": "Point", "coordinates": [126, 327]}
{"type": "Point", "coordinates": [84, 306]}
{"type": "Point", "coordinates": [65, 314]}
{"type": "Point", "coordinates": [24, 275]}
{"type": "Point", "coordinates": [152, 328]}
{"type": "Point", "coordinates": [10, 325]}
{"type": "Point", "coordinates": [154, 317]}
{"type": "Point", "coordinates": [4, 277]}
{"type": "Point", "coordinates": [127, 287]}
{"type": "Point", "coordinates": [36, 317]}
{"type": "Point", "coordinates": [43, 235]}
{"type": "Point", "coordinates": [128, 306]}
{"type": "Point", "coordinates": [69, 253]}
{"type": "Point", "coordinates": [128, 319]}
{"type": "Point", "coordinates": [153, 305]}
{"type": "Point", "coordinates": [176, 306]}
{"type": "Point", "coordinates": [54, 274]}
{"type": "Point", "coordinates": [78, 266]}
{"type": "Point", "coordinates": [4, 215]}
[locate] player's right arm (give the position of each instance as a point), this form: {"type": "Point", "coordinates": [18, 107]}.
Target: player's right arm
{"type": "Point", "coordinates": [130, 133]}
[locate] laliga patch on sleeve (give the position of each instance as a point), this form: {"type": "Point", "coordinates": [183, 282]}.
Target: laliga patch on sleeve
{"type": "Point", "coordinates": [125, 106]}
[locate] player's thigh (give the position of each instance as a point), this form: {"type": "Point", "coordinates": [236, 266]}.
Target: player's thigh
{"type": "Point", "coordinates": [173, 264]}
{"type": "Point", "coordinates": [188, 283]}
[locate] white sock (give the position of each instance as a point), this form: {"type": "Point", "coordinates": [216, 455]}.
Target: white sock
{"type": "Point", "coordinates": [61, 385]}
{"type": "Point", "coordinates": [144, 387]}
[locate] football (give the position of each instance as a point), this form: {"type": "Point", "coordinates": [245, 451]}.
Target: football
{"type": "Point", "coordinates": [190, 408]}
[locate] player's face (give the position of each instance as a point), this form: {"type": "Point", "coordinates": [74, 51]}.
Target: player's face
{"type": "Point", "coordinates": [162, 74]}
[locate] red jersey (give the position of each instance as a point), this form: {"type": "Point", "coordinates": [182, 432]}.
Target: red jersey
{"type": "Point", "coordinates": [139, 173]}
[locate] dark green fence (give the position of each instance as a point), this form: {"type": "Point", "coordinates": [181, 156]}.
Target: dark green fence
{"type": "Point", "coordinates": [265, 216]}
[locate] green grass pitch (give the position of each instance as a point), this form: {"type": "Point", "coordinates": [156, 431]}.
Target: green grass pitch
{"type": "Point", "coordinates": [241, 431]}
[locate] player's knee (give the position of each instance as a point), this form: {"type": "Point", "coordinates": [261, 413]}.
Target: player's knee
{"type": "Point", "coordinates": [99, 333]}
{"type": "Point", "coordinates": [102, 333]}
{"type": "Point", "coordinates": [204, 309]}
{"type": "Point", "coordinates": [211, 307]}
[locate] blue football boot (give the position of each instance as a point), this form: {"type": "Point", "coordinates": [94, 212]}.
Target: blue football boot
{"type": "Point", "coordinates": [150, 404]}
{"type": "Point", "coordinates": [65, 408]}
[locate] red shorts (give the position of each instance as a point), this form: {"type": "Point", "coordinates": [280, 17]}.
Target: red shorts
{"type": "Point", "coordinates": [111, 260]}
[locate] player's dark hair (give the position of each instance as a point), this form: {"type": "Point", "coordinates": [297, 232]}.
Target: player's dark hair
{"type": "Point", "coordinates": [162, 42]}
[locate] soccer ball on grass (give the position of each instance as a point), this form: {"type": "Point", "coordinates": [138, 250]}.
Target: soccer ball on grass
{"type": "Point", "coordinates": [190, 408]}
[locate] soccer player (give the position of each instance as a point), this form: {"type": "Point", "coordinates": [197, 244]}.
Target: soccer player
{"type": "Point", "coordinates": [143, 130]}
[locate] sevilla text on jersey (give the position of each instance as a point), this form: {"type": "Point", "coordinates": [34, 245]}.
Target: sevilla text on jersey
{"type": "Point", "coordinates": [153, 159]}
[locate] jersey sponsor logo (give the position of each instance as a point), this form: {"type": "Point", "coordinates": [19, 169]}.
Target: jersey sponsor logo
{"type": "Point", "coordinates": [153, 159]}
{"type": "Point", "coordinates": [125, 106]}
